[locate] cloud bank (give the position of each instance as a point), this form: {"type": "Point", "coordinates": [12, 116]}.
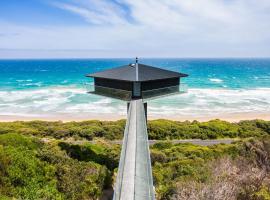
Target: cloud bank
{"type": "Point", "coordinates": [147, 28]}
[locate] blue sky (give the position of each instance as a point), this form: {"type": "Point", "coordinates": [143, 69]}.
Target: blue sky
{"type": "Point", "coordinates": [128, 28]}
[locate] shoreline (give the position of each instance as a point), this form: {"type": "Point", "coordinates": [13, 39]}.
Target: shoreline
{"type": "Point", "coordinates": [233, 117]}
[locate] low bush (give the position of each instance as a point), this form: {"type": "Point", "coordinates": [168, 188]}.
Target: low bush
{"type": "Point", "coordinates": [30, 169]}
{"type": "Point", "coordinates": [157, 129]}
{"type": "Point", "coordinates": [226, 171]}
{"type": "Point", "coordinates": [166, 129]}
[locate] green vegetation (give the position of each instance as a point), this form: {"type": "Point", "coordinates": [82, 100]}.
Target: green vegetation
{"type": "Point", "coordinates": [32, 167]}
{"type": "Point", "coordinates": [166, 129]}
{"type": "Point", "coordinates": [225, 171]}
{"type": "Point", "coordinates": [158, 129]}
{"type": "Point", "coordinates": [78, 130]}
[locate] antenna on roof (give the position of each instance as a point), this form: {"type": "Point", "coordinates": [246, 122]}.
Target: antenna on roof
{"type": "Point", "coordinates": [137, 69]}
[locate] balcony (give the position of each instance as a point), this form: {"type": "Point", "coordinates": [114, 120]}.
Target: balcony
{"type": "Point", "coordinates": [110, 92]}
{"type": "Point", "coordinates": [173, 90]}
{"type": "Point", "coordinates": [126, 95]}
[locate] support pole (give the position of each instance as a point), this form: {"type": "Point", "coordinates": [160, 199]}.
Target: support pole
{"type": "Point", "coordinates": [128, 104]}
{"type": "Point", "coordinates": [145, 111]}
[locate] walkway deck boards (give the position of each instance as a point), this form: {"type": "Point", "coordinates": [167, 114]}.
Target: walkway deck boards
{"type": "Point", "coordinates": [134, 179]}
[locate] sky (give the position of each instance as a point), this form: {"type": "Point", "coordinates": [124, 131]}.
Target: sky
{"type": "Point", "coordinates": [130, 28]}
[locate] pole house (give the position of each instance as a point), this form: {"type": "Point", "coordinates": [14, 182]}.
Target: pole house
{"type": "Point", "coordinates": [135, 83]}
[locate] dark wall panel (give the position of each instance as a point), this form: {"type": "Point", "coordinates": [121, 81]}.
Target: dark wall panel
{"type": "Point", "coordinates": [150, 85]}
{"type": "Point", "coordinates": [123, 85]}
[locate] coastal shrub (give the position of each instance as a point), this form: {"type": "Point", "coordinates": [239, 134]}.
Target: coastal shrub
{"type": "Point", "coordinates": [225, 171]}
{"type": "Point", "coordinates": [157, 156]}
{"type": "Point", "coordinates": [264, 125]}
{"type": "Point", "coordinates": [104, 155]}
{"type": "Point", "coordinates": [31, 169]}
{"type": "Point", "coordinates": [162, 145]}
{"type": "Point", "coordinates": [22, 175]}
{"type": "Point", "coordinates": [157, 129]}
{"type": "Point", "coordinates": [75, 180]}
{"type": "Point", "coordinates": [59, 130]}
{"type": "Point", "coordinates": [19, 141]}
{"type": "Point", "coordinates": [253, 128]}
{"type": "Point", "coordinates": [166, 129]}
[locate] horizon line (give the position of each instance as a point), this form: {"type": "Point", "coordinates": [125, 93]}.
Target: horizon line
{"type": "Point", "coordinates": [145, 57]}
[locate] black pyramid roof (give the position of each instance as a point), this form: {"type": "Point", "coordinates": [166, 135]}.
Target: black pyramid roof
{"type": "Point", "coordinates": [145, 73]}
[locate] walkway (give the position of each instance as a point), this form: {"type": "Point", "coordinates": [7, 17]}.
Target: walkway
{"type": "Point", "coordinates": [134, 179]}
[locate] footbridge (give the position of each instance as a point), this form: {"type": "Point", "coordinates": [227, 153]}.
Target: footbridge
{"type": "Point", "coordinates": [134, 179]}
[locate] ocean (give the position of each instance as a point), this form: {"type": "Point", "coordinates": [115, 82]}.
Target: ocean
{"type": "Point", "coordinates": [58, 88]}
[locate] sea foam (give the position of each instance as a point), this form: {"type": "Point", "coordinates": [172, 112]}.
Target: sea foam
{"type": "Point", "coordinates": [60, 100]}
{"type": "Point", "coordinates": [209, 102]}
{"type": "Point", "coordinates": [216, 80]}
{"type": "Point", "coordinates": [76, 101]}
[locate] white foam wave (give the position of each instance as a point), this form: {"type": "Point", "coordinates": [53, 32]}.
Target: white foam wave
{"type": "Point", "coordinates": [76, 101]}
{"type": "Point", "coordinates": [216, 80]}
{"type": "Point", "coordinates": [28, 80]}
{"type": "Point", "coordinates": [32, 84]}
{"type": "Point", "coordinates": [59, 100]}
{"type": "Point", "coordinates": [207, 102]}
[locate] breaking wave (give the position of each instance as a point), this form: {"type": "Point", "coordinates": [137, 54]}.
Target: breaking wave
{"type": "Point", "coordinates": [76, 102]}
{"type": "Point", "coordinates": [210, 102]}
{"type": "Point", "coordinates": [216, 80]}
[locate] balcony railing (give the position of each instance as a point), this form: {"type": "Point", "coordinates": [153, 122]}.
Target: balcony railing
{"type": "Point", "coordinates": [127, 95]}
{"type": "Point", "coordinates": [166, 91]}
{"type": "Point", "coordinates": [111, 92]}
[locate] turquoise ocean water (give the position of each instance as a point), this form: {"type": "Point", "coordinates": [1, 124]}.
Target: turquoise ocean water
{"type": "Point", "coordinates": [36, 88]}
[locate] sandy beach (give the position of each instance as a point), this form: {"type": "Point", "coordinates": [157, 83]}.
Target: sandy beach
{"type": "Point", "coordinates": [234, 117]}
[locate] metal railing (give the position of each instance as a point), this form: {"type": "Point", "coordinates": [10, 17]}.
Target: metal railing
{"type": "Point", "coordinates": [134, 179]}
{"type": "Point", "coordinates": [111, 92]}
{"type": "Point", "coordinates": [126, 95]}
{"type": "Point", "coordinates": [119, 179]}
{"type": "Point", "coordinates": [178, 89]}
{"type": "Point", "coordinates": [144, 179]}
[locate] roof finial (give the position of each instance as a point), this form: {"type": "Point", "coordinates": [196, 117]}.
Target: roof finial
{"type": "Point", "coordinates": [137, 69]}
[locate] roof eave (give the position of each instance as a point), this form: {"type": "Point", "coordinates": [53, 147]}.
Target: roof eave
{"type": "Point", "coordinates": [179, 76]}
{"type": "Point", "coordinates": [92, 76]}
{"type": "Point", "coordinates": [184, 75]}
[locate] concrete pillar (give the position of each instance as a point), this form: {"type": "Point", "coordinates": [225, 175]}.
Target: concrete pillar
{"type": "Point", "coordinates": [145, 110]}
{"type": "Point", "coordinates": [128, 104]}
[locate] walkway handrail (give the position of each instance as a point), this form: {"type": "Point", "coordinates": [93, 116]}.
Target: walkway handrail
{"type": "Point", "coordinates": [134, 180]}
{"type": "Point", "coordinates": [119, 179]}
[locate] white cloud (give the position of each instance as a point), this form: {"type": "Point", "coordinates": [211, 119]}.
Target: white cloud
{"type": "Point", "coordinates": [97, 12]}
{"type": "Point", "coordinates": [177, 28]}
